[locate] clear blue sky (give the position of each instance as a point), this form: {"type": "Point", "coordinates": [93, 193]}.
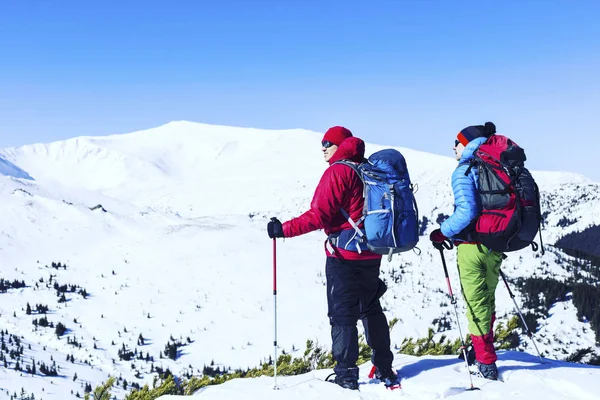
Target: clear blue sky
{"type": "Point", "coordinates": [408, 73]}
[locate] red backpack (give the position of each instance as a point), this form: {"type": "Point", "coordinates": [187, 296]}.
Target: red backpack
{"type": "Point", "coordinates": [511, 216]}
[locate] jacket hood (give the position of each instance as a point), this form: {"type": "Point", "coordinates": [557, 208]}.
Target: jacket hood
{"type": "Point", "coordinates": [470, 149]}
{"type": "Point", "coordinates": [352, 149]}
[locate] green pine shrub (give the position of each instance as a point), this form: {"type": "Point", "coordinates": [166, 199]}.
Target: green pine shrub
{"type": "Point", "coordinates": [314, 357]}
{"type": "Point", "coordinates": [506, 337]}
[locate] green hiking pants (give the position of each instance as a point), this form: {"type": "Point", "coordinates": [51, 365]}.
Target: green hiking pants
{"type": "Point", "coordinates": [479, 269]}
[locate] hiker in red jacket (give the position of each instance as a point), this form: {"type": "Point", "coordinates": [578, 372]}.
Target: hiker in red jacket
{"type": "Point", "coordinates": [353, 284]}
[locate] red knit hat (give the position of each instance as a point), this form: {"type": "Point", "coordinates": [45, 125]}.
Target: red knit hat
{"type": "Point", "coordinates": [336, 135]}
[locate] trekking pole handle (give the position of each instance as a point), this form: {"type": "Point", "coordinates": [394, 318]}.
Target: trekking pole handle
{"type": "Point", "coordinates": [447, 244]}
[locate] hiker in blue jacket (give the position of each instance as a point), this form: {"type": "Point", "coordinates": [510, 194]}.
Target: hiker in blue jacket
{"type": "Point", "coordinates": [478, 266]}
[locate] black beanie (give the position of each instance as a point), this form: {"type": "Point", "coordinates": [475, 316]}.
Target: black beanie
{"type": "Point", "coordinates": [475, 131]}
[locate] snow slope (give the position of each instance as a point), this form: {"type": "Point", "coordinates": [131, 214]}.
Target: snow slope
{"type": "Point", "coordinates": [428, 377]}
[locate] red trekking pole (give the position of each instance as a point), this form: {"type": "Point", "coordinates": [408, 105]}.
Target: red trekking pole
{"type": "Point", "coordinates": [275, 309]}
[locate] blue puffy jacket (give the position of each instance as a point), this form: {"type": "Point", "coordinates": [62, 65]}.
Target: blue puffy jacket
{"type": "Point", "coordinates": [467, 203]}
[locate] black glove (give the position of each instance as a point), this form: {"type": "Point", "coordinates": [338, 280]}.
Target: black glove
{"type": "Point", "coordinates": [274, 228]}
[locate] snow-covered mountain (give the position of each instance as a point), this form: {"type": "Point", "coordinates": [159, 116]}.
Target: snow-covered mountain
{"type": "Point", "coordinates": [161, 236]}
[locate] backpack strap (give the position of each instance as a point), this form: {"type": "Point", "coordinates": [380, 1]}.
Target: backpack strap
{"type": "Point", "coordinates": [354, 167]}
{"type": "Point", "coordinates": [353, 223]}
{"type": "Point", "coordinates": [470, 164]}
{"type": "Point", "coordinates": [348, 239]}
{"type": "Point", "coordinates": [351, 164]}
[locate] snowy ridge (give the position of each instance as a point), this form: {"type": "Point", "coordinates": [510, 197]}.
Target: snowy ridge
{"type": "Point", "coordinates": [66, 162]}
{"type": "Point", "coordinates": [178, 249]}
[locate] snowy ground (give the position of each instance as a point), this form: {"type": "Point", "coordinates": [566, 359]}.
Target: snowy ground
{"type": "Point", "coordinates": [523, 377]}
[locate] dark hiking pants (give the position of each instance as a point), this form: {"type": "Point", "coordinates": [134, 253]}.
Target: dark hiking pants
{"type": "Point", "coordinates": [353, 292]}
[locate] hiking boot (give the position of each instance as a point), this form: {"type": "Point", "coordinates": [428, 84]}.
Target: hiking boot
{"type": "Point", "coordinates": [470, 355]}
{"type": "Point", "coordinates": [348, 378]}
{"type": "Point", "coordinates": [488, 371]}
{"type": "Point", "coordinates": [346, 384]}
{"type": "Point", "coordinates": [388, 376]}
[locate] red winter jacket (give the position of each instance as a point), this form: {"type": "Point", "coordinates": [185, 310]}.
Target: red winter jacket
{"type": "Point", "coordinates": [339, 187]}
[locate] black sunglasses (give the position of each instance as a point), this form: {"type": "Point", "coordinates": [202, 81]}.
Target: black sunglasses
{"type": "Point", "coordinates": [456, 142]}
{"type": "Point", "coordinates": [327, 144]}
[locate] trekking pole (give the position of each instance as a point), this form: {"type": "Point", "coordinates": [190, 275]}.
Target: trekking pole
{"type": "Point", "coordinates": [275, 310]}
{"type": "Point", "coordinates": [528, 332]}
{"type": "Point", "coordinates": [448, 245]}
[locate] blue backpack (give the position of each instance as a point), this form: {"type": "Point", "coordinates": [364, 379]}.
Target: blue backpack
{"type": "Point", "coordinates": [390, 213]}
